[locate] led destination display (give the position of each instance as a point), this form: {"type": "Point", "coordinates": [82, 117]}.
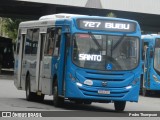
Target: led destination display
{"type": "Point", "coordinates": [107, 25]}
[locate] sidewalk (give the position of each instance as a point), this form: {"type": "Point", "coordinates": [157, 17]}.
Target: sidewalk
{"type": "Point", "coordinates": [6, 77]}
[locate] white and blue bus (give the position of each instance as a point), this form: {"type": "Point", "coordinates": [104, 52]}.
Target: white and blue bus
{"type": "Point", "coordinates": [79, 58]}
{"type": "Point", "coordinates": [151, 58]}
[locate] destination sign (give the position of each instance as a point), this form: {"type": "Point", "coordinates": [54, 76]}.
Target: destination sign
{"type": "Point", "coordinates": [107, 25]}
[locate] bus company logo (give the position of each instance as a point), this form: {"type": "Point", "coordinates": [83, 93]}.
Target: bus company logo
{"type": "Point", "coordinates": [6, 114]}
{"type": "Point", "coordinates": [109, 66]}
{"type": "Point", "coordinates": [104, 83]}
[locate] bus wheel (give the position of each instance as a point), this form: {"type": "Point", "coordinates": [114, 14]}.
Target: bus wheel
{"type": "Point", "coordinates": [58, 101]}
{"type": "Point", "coordinates": [145, 92]}
{"type": "Point", "coordinates": [40, 98]}
{"type": "Point", "coordinates": [119, 105]}
{"type": "Point", "coordinates": [87, 102]}
{"type": "Point", "coordinates": [78, 102]}
{"type": "Point", "coordinates": [29, 95]}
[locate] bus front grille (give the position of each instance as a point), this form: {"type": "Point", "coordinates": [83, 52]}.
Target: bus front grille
{"type": "Point", "coordinates": [114, 92]}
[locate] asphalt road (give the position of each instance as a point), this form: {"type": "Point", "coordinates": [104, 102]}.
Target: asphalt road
{"type": "Point", "coordinates": [12, 99]}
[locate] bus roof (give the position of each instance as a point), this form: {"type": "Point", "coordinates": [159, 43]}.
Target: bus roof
{"type": "Point", "coordinates": [59, 16]}
{"type": "Point", "coordinates": [150, 36]}
{"type": "Point", "coordinates": [36, 23]}
{"type": "Point", "coordinates": [70, 16]}
{"type": "Point", "coordinates": [51, 19]}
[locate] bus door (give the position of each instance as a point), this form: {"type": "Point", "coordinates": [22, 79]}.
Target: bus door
{"type": "Point", "coordinates": [49, 59]}
{"type": "Point", "coordinates": [19, 57]}
{"type": "Point", "coordinates": [62, 59]}
{"type": "Point", "coordinates": [40, 60]}
{"type": "Point", "coordinates": [146, 64]}
{"type": "Point", "coordinates": [30, 61]}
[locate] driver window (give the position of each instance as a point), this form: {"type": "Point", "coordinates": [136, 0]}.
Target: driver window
{"type": "Point", "coordinates": [49, 45]}
{"type": "Point", "coordinates": [130, 50]}
{"type": "Point", "coordinates": [57, 41]}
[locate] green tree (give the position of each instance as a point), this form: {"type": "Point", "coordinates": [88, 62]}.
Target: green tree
{"type": "Point", "coordinates": [11, 27]}
{"type": "Point", "coordinates": [111, 14]}
{"type": "Point", "coordinates": [2, 27]}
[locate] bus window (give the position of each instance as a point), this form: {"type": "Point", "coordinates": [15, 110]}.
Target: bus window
{"type": "Point", "coordinates": [35, 41]}
{"type": "Point", "coordinates": [130, 50]}
{"type": "Point", "coordinates": [43, 37]}
{"type": "Point", "coordinates": [58, 39]}
{"type": "Point", "coordinates": [49, 45]}
{"type": "Point", "coordinates": [157, 55]}
{"type": "Point", "coordinates": [28, 43]}
{"type": "Point", "coordinates": [31, 43]}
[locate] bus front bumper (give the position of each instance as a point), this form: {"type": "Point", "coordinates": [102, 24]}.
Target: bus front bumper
{"type": "Point", "coordinates": [84, 92]}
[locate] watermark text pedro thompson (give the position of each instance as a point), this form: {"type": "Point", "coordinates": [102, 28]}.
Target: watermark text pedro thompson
{"type": "Point", "coordinates": [141, 114]}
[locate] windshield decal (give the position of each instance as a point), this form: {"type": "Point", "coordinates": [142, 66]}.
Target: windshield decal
{"type": "Point", "coordinates": [109, 66]}
{"type": "Point", "coordinates": [89, 57]}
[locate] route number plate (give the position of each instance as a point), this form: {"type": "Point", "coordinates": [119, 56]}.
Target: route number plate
{"type": "Point", "coordinates": [103, 92]}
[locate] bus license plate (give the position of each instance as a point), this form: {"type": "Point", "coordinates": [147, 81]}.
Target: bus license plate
{"type": "Point", "coordinates": [103, 92]}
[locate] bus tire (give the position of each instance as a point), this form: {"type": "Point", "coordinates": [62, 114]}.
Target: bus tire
{"type": "Point", "coordinates": [78, 102]}
{"type": "Point", "coordinates": [39, 98]}
{"type": "Point", "coordinates": [58, 101]}
{"type": "Point", "coordinates": [145, 92]}
{"type": "Point", "coordinates": [119, 105]}
{"type": "Point", "coordinates": [87, 102]}
{"type": "Point", "coordinates": [30, 96]}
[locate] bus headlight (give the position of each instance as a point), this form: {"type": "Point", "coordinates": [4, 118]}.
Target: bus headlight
{"type": "Point", "coordinates": [128, 87]}
{"type": "Point", "coordinates": [88, 82]}
{"type": "Point", "coordinates": [78, 84]}
{"type": "Point", "coordinates": [134, 82]}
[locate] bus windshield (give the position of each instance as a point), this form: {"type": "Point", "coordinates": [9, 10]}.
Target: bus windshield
{"type": "Point", "coordinates": [157, 55]}
{"type": "Point", "coordinates": [105, 52]}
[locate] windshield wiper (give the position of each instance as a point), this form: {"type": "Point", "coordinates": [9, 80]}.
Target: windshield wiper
{"type": "Point", "coordinates": [95, 41]}
{"type": "Point", "coordinates": [119, 41]}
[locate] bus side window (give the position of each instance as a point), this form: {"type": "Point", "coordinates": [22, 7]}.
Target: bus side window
{"type": "Point", "coordinates": [35, 38]}
{"type": "Point", "coordinates": [58, 40]}
{"type": "Point", "coordinates": [28, 42]}
{"type": "Point", "coordinates": [31, 42]}
{"type": "Point", "coordinates": [49, 44]}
